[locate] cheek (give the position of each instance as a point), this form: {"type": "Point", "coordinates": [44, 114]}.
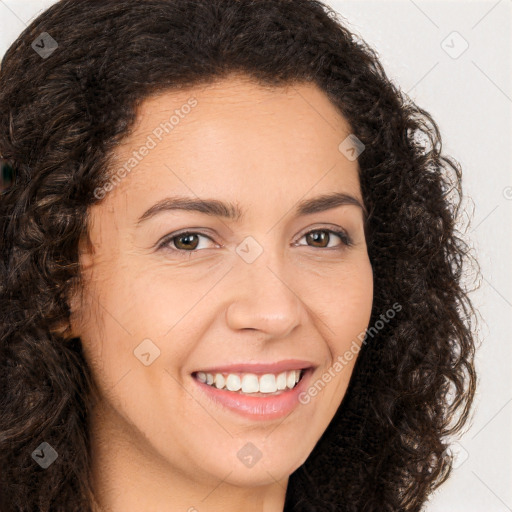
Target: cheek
{"type": "Point", "coordinates": [341, 300]}
{"type": "Point", "coordinates": [343, 309]}
{"type": "Point", "coordinates": [143, 299]}
{"type": "Point", "coordinates": [355, 302]}
{"type": "Point", "coordinates": [136, 305]}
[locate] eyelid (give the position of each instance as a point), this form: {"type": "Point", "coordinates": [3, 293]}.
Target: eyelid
{"type": "Point", "coordinates": [164, 243]}
{"type": "Point", "coordinates": [333, 229]}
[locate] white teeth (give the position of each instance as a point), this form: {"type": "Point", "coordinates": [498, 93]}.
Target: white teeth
{"type": "Point", "coordinates": [268, 383]}
{"type": "Point", "coordinates": [233, 382]}
{"type": "Point", "coordinates": [281, 381]}
{"type": "Point", "coordinates": [220, 381]}
{"type": "Point", "coordinates": [250, 382]}
{"type": "Point", "coordinates": [290, 379]}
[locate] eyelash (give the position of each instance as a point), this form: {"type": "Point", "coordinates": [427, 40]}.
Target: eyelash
{"type": "Point", "coordinates": [166, 242]}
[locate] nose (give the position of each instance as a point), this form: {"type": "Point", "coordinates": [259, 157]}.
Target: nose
{"type": "Point", "coordinates": [263, 301]}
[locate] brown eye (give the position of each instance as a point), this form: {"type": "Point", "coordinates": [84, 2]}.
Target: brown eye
{"type": "Point", "coordinates": [186, 241]}
{"type": "Point", "coordinates": [318, 237]}
{"type": "Point", "coordinates": [321, 238]}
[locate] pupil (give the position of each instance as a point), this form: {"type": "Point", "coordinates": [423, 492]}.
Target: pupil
{"type": "Point", "coordinates": [187, 240]}
{"type": "Point", "coordinates": [316, 235]}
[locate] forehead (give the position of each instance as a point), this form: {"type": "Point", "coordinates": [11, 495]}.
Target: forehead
{"type": "Point", "coordinates": [241, 110]}
{"type": "Point", "coordinates": [236, 137]}
{"type": "Point", "coordinates": [245, 93]}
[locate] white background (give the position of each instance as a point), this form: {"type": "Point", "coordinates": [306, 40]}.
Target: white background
{"type": "Point", "coordinates": [470, 97]}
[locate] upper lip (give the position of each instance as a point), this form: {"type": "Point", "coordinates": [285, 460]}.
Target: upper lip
{"type": "Point", "coordinates": [277, 367]}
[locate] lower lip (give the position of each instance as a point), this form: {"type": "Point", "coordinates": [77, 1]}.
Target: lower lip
{"type": "Point", "coordinates": [261, 408]}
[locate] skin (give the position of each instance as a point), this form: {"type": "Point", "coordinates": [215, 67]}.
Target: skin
{"type": "Point", "coordinates": [157, 442]}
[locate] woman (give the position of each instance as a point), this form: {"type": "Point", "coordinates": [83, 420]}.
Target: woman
{"type": "Point", "coordinates": [312, 351]}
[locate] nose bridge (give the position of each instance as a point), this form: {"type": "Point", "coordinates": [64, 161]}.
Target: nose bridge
{"type": "Point", "coordinates": [262, 299]}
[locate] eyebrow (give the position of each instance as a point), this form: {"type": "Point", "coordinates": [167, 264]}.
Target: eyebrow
{"type": "Point", "coordinates": [233, 212]}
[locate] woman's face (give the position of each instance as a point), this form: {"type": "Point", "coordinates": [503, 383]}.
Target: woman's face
{"type": "Point", "coordinates": [273, 286]}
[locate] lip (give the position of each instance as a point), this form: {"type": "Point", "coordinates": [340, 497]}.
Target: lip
{"type": "Point", "coordinates": [258, 408]}
{"type": "Point", "coordinates": [280, 366]}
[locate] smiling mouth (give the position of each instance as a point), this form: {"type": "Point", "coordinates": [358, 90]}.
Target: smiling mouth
{"type": "Point", "coordinates": [253, 384]}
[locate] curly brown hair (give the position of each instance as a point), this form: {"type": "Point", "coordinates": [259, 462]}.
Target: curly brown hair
{"type": "Point", "coordinates": [61, 115]}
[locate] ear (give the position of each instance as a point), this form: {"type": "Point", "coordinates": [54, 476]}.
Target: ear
{"type": "Point", "coordinates": [70, 328]}
{"type": "Point", "coordinates": [67, 328]}
{"type": "Point", "coordinates": [74, 303]}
